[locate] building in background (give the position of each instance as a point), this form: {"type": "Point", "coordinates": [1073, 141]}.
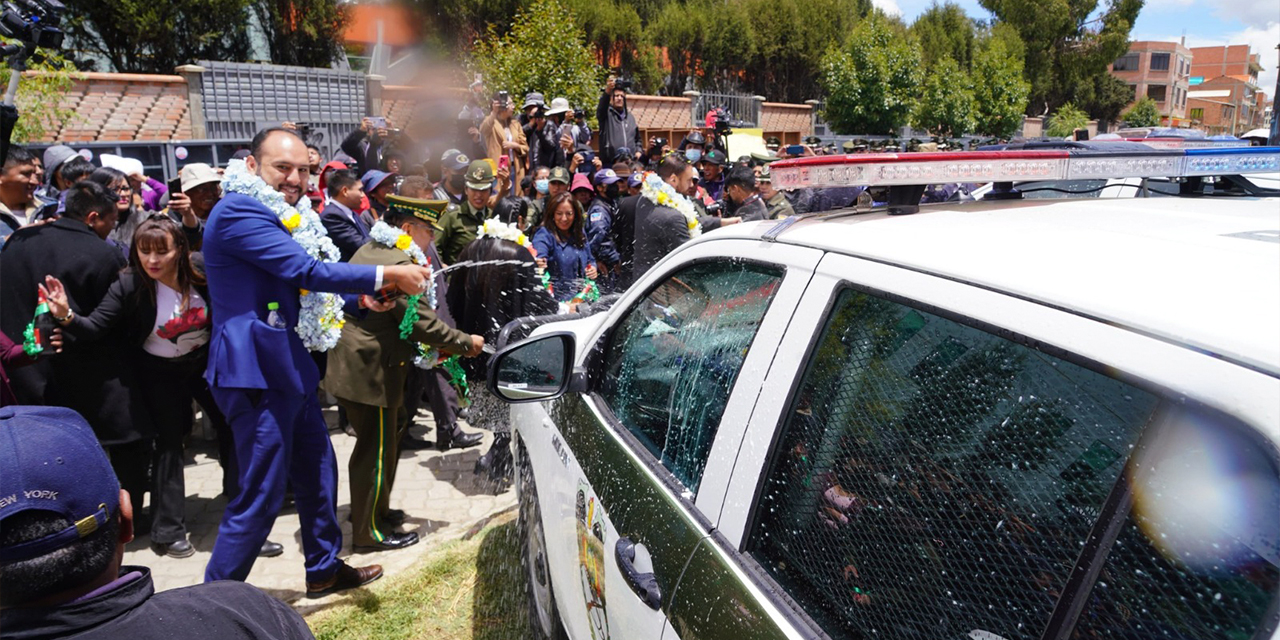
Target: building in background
{"type": "Point", "coordinates": [1160, 71]}
{"type": "Point", "coordinates": [1225, 96]}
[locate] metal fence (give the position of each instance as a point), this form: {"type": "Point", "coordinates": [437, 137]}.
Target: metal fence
{"type": "Point", "coordinates": [241, 98]}
{"type": "Point", "coordinates": [744, 110]}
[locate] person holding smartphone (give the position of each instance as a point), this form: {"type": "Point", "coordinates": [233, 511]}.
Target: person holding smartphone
{"type": "Point", "coordinates": [504, 137]}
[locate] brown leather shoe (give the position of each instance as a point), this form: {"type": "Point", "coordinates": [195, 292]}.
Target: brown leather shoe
{"type": "Point", "coordinates": [347, 577]}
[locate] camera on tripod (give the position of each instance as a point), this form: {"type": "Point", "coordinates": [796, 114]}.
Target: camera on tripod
{"type": "Point", "coordinates": [33, 21]}
{"type": "Point", "coordinates": [722, 124]}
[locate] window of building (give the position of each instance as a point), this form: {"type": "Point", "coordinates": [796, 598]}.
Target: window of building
{"type": "Point", "coordinates": [1157, 92]}
{"type": "Point", "coordinates": [1197, 113]}
{"type": "Point", "coordinates": [1133, 89]}
{"type": "Point", "coordinates": [1159, 62]}
{"type": "Point", "coordinates": [1126, 62]}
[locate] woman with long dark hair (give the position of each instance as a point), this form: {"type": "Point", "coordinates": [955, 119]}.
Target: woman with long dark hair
{"type": "Point", "coordinates": [127, 208]}
{"type": "Point", "coordinates": [562, 247]}
{"type": "Point", "coordinates": [159, 304]}
{"type": "Point", "coordinates": [483, 298]}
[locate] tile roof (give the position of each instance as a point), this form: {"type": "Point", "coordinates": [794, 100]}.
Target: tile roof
{"type": "Point", "coordinates": [124, 106]}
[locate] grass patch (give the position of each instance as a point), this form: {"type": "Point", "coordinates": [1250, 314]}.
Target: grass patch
{"type": "Point", "coordinates": [471, 589]}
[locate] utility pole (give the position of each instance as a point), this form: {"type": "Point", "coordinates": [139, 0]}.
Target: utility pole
{"type": "Point", "coordinates": [1274, 139]}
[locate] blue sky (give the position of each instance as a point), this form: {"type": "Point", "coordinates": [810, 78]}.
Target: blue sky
{"type": "Point", "coordinates": [1204, 22]}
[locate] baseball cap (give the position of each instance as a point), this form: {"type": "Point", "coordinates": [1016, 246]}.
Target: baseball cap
{"type": "Point", "coordinates": [580, 181]}
{"type": "Point", "coordinates": [606, 176]}
{"type": "Point", "coordinates": [241, 154]}
{"type": "Point", "coordinates": [373, 179]}
{"type": "Point", "coordinates": [197, 173]}
{"type": "Point", "coordinates": [635, 180]}
{"type": "Point", "coordinates": [455, 160]}
{"type": "Point", "coordinates": [531, 99]}
{"type": "Point", "coordinates": [715, 156]}
{"type": "Point", "coordinates": [428, 211]}
{"type": "Point", "coordinates": [50, 460]}
{"type": "Point", "coordinates": [559, 174]}
{"type": "Point", "coordinates": [480, 175]}
{"type": "Point", "coordinates": [622, 153]}
{"type": "Point", "coordinates": [55, 156]}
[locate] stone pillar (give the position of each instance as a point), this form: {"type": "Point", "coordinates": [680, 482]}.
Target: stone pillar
{"type": "Point", "coordinates": [373, 94]}
{"type": "Point", "coordinates": [815, 107]}
{"type": "Point", "coordinates": [694, 98]}
{"type": "Point", "coordinates": [195, 99]}
{"type": "Point", "coordinates": [758, 108]}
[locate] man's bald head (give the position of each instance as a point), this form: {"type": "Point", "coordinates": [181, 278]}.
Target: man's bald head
{"type": "Point", "coordinates": [279, 157]}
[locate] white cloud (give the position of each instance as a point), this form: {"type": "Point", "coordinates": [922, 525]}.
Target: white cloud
{"type": "Point", "coordinates": [889, 7]}
{"type": "Point", "coordinates": [1261, 40]}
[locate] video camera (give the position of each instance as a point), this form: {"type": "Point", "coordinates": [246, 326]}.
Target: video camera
{"type": "Point", "coordinates": [722, 124]}
{"type": "Point", "coordinates": [622, 84]}
{"type": "Point", "coordinates": [33, 21]}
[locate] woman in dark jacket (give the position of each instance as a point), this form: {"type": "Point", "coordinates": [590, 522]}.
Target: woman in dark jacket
{"type": "Point", "coordinates": [483, 299]}
{"type": "Point", "coordinates": [562, 247]}
{"type": "Point", "coordinates": [158, 306]}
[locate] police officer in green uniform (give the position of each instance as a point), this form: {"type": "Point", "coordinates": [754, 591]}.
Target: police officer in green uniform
{"type": "Point", "coordinates": [557, 183]}
{"type": "Point", "coordinates": [367, 370]}
{"type": "Point", "coordinates": [775, 200]}
{"type": "Point", "coordinates": [459, 223]}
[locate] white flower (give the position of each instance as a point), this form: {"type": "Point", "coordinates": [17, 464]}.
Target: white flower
{"type": "Point", "coordinates": [389, 236]}
{"type": "Point", "coordinates": [655, 190]}
{"type": "Point", "coordinates": [320, 316]}
{"type": "Point", "coordinates": [493, 228]}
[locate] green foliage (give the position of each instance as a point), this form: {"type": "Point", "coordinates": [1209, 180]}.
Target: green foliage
{"type": "Point", "coordinates": [545, 52]}
{"type": "Point", "coordinates": [1143, 113]}
{"type": "Point", "coordinates": [1065, 120]}
{"type": "Point", "coordinates": [870, 81]}
{"type": "Point", "coordinates": [305, 33]}
{"type": "Point", "coordinates": [999, 92]}
{"type": "Point", "coordinates": [945, 31]}
{"type": "Point", "coordinates": [39, 98]}
{"type": "Point", "coordinates": [1066, 47]}
{"type": "Point", "coordinates": [945, 105]}
{"type": "Point", "coordinates": [1104, 98]}
{"type": "Point", "coordinates": [154, 36]}
{"type": "Point", "coordinates": [646, 71]}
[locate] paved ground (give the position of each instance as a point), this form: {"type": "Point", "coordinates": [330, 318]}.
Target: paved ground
{"type": "Point", "coordinates": [441, 495]}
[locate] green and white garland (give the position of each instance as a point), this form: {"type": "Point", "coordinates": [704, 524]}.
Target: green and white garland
{"type": "Point", "coordinates": [389, 236]}
{"type": "Point", "coordinates": [657, 191]}
{"type": "Point", "coordinates": [320, 316]}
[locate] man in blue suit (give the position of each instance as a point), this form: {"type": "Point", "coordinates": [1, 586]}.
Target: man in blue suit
{"type": "Point", "coordinates": [264, 379]}
{"type": "Point", "coordinates": [339, 217]}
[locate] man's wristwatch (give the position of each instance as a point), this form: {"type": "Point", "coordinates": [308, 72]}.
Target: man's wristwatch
{"type": "Point", "coordinates": [67, 318]}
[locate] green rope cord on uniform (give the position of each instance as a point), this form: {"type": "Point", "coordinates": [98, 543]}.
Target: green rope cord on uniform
{"type": "Point", "coordinates": [410, 316]}
{"type": "Point", "coordinates": [457, 377]}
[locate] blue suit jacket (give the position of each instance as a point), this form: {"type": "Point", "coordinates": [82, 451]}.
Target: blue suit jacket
{"type": "Point", "coordinates": [250, 261]}
{"type": "Point", "coordinates": [349, 233]}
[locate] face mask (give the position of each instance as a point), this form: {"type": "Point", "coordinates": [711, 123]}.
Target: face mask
{"type": "Point", "coordinates": [693, 155]}
{"type": "Point", "coordinates": [542, 185]}
{"type": "Point", "coordinates": [611, 191]}
{"type": "Point", "coordinates": [457, 182]}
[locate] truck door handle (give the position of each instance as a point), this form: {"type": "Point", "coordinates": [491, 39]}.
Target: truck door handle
{"type": "Point", "coordinates": [644, 585]}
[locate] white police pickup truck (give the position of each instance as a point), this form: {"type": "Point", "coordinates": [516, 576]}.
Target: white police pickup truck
{"type": "Point", "coordinates": [987, 420]}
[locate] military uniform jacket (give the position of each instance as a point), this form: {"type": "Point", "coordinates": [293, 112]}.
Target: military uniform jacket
{"type": "Point", "coordinates": [370, 363]}
{"type": "Point", "coordinates": [458, 228]}
{"type": "Point", "coordinates": [779, 206]}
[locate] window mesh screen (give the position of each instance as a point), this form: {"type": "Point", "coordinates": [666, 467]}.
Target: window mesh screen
{"type": "Point", "coordinates": [937, 481]}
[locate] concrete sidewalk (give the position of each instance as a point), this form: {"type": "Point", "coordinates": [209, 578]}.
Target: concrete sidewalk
{"type": "Point", "coordinates": [441, 495]}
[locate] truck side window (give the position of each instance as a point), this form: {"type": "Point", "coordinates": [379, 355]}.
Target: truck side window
{"type": "Point", "coordinates": [935, 480]}
{"type": "Point", "coordinates": [673, 360]}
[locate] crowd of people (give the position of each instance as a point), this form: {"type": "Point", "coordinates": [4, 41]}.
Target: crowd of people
{"type": "Point", "coordinates": [263, 290]}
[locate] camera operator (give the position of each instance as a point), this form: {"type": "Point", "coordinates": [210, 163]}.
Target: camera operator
{"type": "Point", "coordinates": [742, 196]}
{"type": "Point", "coordinates": [543, 137]}
{"type": "Point", "coordinates": [365, 145]}
{"type": "Point", "coordinates": [712, 168]}
{"type": "Point", "coordinates": [618, 126]}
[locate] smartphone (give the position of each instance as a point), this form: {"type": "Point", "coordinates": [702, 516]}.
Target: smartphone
{"type": "Point", "coordinates": [504, 162]}
{"type": "Point", "coordinates": [795, 150]}
{"type": "Point", "coordinates": [388, 293]}
{"type": "Point", "coordinates": [566, 130]}
{"type": "Point", "coordinates": [175, 185]}
{"type": "Point", "coordinates": [378, 122]}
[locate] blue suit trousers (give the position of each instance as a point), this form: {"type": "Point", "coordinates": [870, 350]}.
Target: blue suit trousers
{"type": "Point", "coordinates": [279, 437]}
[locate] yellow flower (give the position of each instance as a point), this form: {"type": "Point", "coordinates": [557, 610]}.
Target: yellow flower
{"type": "Point", "coordinates": [403, 242]}
{"type": "Point", "coordinates": [522, 240]}
{"type": "Point", "coordinates": [293, 222]}
{"type": "Point", "coordinates": [693, 223]}
{"type": "Point", "coordinates": [303, 292]}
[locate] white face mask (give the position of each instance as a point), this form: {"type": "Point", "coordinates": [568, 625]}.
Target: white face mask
{"type": "Point", "coordinates": [693, 155]}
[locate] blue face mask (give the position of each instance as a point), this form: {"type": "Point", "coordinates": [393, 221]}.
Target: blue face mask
{"type": "Point", "coordinates": [693, 155]}
{"type": "Point", "coordinates": [542, 185]}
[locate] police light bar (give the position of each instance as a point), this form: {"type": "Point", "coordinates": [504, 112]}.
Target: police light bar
{"type": "Point", "coordinates": [1187, 143]}
{"type": "Point", "coordinates": [894, 169]}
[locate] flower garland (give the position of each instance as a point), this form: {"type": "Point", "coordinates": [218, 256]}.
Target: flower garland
{"type": "Point", "coordinates": [494, 228]}
{"type": "Point", "coordinates": [658, 192]}
{"type": "Point", "coordinates": [320, 316]}
{"type": "Point", "coordinates": [389, 236]}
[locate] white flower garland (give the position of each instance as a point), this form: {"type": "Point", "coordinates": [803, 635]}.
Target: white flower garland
{"type": "Point", "coordinates": [320, 316]}
{"type": "Point", "coordinates": [655, 190]}
{"type": "Point", "coordinates": [391, 237]}
{"type": "Point", "coordinates": [494, 228]}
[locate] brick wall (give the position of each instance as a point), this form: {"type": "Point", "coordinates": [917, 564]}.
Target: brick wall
{"type": "Point", "coordinates": [123, 106]}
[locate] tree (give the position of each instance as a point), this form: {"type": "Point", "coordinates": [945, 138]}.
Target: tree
{"type": "Point", "coordinates": [1105, 98]}
{"type": "Point", "coordinates": [1000, 93]}
{"type": "Point", "coordinates": [306, 33]}
{"type": "Point", "coordinates": [39, 98]}
{"type": "Point", "coordinates": [945, 31]}
{"type": "Point", "coordinates": [1065, 48]}
{"type": "Point", "coordinates": [1143, 113]}
{"type": "Point", "coordinates": [154, 36]}
{"type": "Point", "coordinates": [1066, 120]}
{"type": "Point", "coordinates": [870, 81]}
{"type": "Point", "coordinates": [945, 105]}
{"type": "Point", "coordinates": [545, 52]}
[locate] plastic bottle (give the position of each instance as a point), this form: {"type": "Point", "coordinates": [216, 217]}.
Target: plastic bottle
{"type": "Point", "coordinates": [273, 315]}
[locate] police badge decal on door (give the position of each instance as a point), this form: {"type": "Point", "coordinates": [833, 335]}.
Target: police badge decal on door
{"type": "Point", "coordinates": [590, 521]}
